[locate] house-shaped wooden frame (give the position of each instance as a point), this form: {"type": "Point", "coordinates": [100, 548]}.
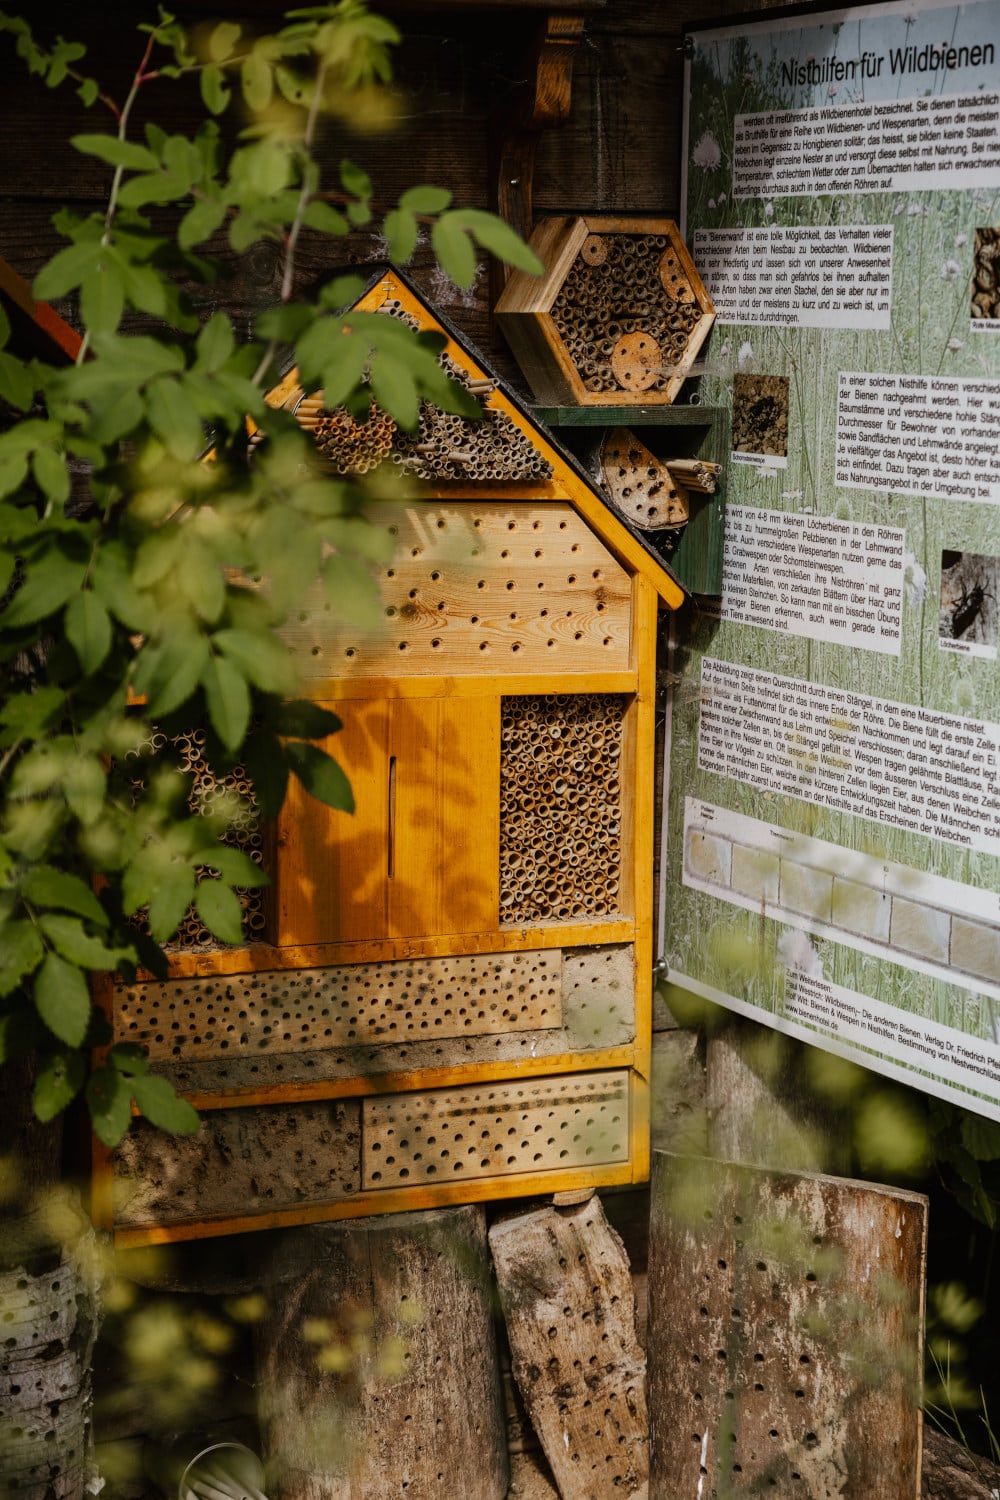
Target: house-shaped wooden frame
{"type": "Point", "coordinates": [453, 999]}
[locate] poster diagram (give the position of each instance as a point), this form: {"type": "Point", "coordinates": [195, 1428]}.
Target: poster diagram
{"type": "Point", "coordinates": [834, 860]}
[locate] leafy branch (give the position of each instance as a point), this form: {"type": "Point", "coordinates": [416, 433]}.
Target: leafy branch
{"type": "Point", "coordinates": [143, 590]}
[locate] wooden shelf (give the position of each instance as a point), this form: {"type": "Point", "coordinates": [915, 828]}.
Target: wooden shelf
{"type": "Point", "coordinates": [677, 415]}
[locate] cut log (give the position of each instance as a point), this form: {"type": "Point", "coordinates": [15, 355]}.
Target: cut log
{"type": "Point", "coordinates": [377, 1363]}
{"type": "Point", "coordinates": [784, 1335]}
{"type": "Point", "coordinates": [567, 1297]}
{"type": "Point", "coordinates": [951, 1472]}
{"type": "Point", "coordinates": [48, 1311]}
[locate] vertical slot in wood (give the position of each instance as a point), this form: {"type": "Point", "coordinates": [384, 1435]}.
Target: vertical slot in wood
{"type": "Point", "coordinates": [391, 826]}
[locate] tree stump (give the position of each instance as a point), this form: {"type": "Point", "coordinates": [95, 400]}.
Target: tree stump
{"type": "Point", "coordinates": [377, 1367]}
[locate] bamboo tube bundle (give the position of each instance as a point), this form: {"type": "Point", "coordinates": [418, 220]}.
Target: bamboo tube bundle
{"type": "Point", "coordinates": [560, 856]}
{"type": "Point", "coordinates": [694, 473]}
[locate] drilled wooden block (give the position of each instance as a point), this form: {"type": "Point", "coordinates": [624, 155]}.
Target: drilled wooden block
{"type": "Point", "coordinates": [785, 1334]}
{"type": "Point", "coordinates": [639, 485]}
{"type": "Point", "coordinates": [241, 1162]}
{"type": "Point", "coordinates": [477, 588]}
{"type": "Point", "coordinates": [560, 807]}
{"type": "Point", "coordinates": [493, 1130]}
{"type": "Point", "coordinates": [617, 318]}
{"type": "Point", "coordinates": [299, 1010]}
{"type": "Point", "coordinates": [570, 1311]}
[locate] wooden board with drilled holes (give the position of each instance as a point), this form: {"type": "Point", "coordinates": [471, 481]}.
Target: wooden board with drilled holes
{"type": "Point", "coordinates": [491, 1130]}
{"type": "Point", "coordinates": [639, 485]}
{"type": "Point", "coordinates": [478, 588]}
{"type": "Point", "coordinates": [784, 1333]}
{"type": "Point", "coordinates": [569, 1306]}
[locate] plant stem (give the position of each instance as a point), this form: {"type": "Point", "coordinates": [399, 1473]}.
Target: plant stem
{"type": "Point", "coordinates": [116, 181]}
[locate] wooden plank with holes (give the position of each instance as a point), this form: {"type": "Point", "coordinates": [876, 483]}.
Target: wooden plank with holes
{"type": "Point", "coordinates": [785, 1333]}
{"type": "Point", "coordinates": [568, 1301]}
{"type": "Point", "coordinates": [478, 588]}
{"type": "Point", "coordinates": [495, 1130]}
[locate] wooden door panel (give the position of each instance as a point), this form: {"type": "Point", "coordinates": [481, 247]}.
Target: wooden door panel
{"type": "Point", "coordinates": [418, 856]}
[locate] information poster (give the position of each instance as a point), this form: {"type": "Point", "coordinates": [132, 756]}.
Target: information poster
{"type": "Point", "coordinates": [834, 843]}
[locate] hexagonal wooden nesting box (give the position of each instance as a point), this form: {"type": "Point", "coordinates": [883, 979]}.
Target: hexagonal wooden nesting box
{"type": "Point", "coordinates": [447, 995]}
{"type": "Point", "coordinates": [618, 317]}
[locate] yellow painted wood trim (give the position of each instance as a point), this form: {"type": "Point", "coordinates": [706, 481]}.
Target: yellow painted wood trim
{"type": "Point", "coordinates": [388, 1200]}
{"type": "Point", "coordinates": [639, 1128]}
{"type": "Point", "coordinates": [642, 788]}
{"type": "Point", "coordinates": [341, 689]}
{"type": "Point", "coordinates": [413, 1081]}
{"type": "Point", "coordinates": [262, 956]}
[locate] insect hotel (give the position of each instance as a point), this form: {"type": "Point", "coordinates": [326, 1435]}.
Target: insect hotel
{"type": "Point", "coordinates": [444, 997]}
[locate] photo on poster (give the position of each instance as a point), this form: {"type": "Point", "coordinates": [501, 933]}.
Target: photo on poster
{"type": "Point", "coordinates": [985, 308]}
{"type": "Point", "coordinates": [760, 417]}
{"type": "Point", "coordinates": [968, 619]}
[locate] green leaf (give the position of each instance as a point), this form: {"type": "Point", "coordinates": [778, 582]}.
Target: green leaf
{"type": "Point", "coordinates": [320, 775]}
{"type": "Point", "coordinates": [454, 251]}
{"type": "Point", "coordinates": [109, 1099]}
{"type": "Point", "coordinates": [84, 785]}
{"type": "Point", "coordinates": [115, 152]}
{"type": "Point", "coordinates": [358, 215]}
{"type": "Point", "coordinates": [425, 200]}
{"type": "Point", "coordinates": [200, 222]}
{"type": "Point", "coordinates": [265, 760]}
{"type": "Point", "coordinates": [4, 326]}
{"type": "Point", "coordinates": [215, 92]}
{"type": "Point", "coordinates": [70, 938]}
{"type": "Point", "coordinates": [355, 179]}
{"type": "Point", "coordinates": [57, 1083]}
{"type": "Point", "coordinates": [102, 298]}
{"type": "Point", "coordinates": [257, 82]}
{"type": "Point", "coordinates": [202, 580]}
{"type": "Point", "coordinates": [340, 292]}
{"type": "Point", "coordinates": [62, 999]}
{"type": "Point", "coordinates": [171, 898]}
{"type": "Point", "coordinates": [51, 474]}
{"type": "Point", "coordinates": [352, 591]}
{"type": "Point", "coordinates": [50, 580]}
{"type": "Point", "coordinates": [222, 40]}
{"type": "Point", "coordinates": [88, 629]}
{"type": "Point", "coordinates": [324, 218]}
{"type": "Point", "coordinates": [174, 417]}
{"type": "Point", "coordinates": [66, 270]}
{"type": "Point", "coordinates": [401, 233]}
{"type": "Point", "coordinates": [235, 867]}
{"type": "Point", "coordinates": [302, 719]}
{"type": "Point", "coordinates": [228, 700]}
{"type": "Point", "coordinates": [176, 666]}
{"type": "Point", "coordinates": [395, 390]}
{"type": "Point", "coordinates": [981, 1137]}
{"type": "Point", "coordinates": [129, 1058]}
{"type": "Point", "coordinates": [44, 885]}
{"type": "Point", "coordinates": [21, 951]}
{"type": "Point", "coordinates": [89, 92]}
{"type": "Point", "coordinates": [17, 386]}
{"type": "Point", "coordinates": [163, 1107]}
{"type": "Point", "coordinates": [260, 657]}
{"type": "Point", "coordinates": [497, 236]}
{"type": "Point", "coordinates": [220, 911]}
{"type": "Point", "coordinates": [215, 343]}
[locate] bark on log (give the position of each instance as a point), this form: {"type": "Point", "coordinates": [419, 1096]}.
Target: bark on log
{"type": "Point", "coordinates": [377, 1366]}
{"type": "Point", "coordinates": [48, 1314]}
{"type": "Point", "coordinates": [567, 1296]}
{"type": "Point", "coordinates": [950, 1472]}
